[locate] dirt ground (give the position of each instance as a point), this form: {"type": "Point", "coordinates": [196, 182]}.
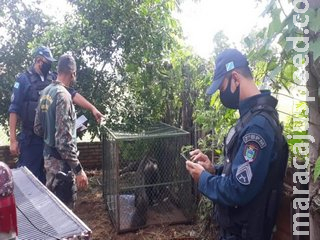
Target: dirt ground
{"type": "Point", "coordinates": [91, 209]}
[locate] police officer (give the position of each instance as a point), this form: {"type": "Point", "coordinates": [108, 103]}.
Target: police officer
{"type": "Point", "coordinates": [55, 122]}
{"type": "Point", "coordinates": [25, 96]}
{"type": "Point", "coordinates": [246, 189]}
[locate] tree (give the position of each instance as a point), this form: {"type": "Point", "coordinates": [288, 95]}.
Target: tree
{"type": "Point", "coordinates": [291, 71]}
{"type": "Point", "coordinates": [131, 64]}
{"type": "Point", "coordinates": [20, 23]}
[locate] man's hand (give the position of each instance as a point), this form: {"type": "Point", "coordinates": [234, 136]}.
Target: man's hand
{"type": "Point", "coordinates": [97, 115]}
{"type": "Point", "coordinates": [14, 148]}
{"type": "Point", "coordinates": [82, 180]}
{"type": "Point", "coordinates": [194, 169]}
{"type": "Point", "coordinates": [203, 160]}
{"type": "Point", "coordinates": [84, 103]}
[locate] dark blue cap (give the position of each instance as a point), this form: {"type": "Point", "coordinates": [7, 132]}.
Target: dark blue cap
{"type": "Point", "coordinates": [44, 52]}
{"type": "Point", "coordinates": [226, 61]}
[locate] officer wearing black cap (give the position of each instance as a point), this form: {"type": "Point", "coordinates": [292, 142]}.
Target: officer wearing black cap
{"type": "Point", "coordinates": [246, 189]}
{"type": "Point", "coordinates": [24, 100]}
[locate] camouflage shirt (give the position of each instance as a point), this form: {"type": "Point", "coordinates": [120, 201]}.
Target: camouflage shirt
{"type": "Point", "coordinates": [55, 122]}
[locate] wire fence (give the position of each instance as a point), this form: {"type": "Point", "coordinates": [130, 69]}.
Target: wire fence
{"type": "Point", "coordinates": [286, 108]}
{"type": "Point", "coordinates": [144, 178]}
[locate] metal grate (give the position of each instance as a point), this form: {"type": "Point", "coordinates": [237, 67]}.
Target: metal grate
{"type": "Point", "coordinates": [145, 181]}
{"type": "Point", "coordinates": [41, 215]}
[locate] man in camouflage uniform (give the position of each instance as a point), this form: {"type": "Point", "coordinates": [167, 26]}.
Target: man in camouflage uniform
{"type": "Point", "coordinates": [55, 122]}
{"type": "Point", "coordinates": [24, 100]}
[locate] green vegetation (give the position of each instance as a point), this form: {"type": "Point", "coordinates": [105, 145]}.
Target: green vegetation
{"type": "Point", "coordinates": [135, 68]}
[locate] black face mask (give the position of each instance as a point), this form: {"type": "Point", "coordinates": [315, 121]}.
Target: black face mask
{"type": "Point", "coordinates": [73, 80]}
{"type": "Point", "coordinates": [229, 99]}
{"type": "Point", "coordinates": [45, 68]}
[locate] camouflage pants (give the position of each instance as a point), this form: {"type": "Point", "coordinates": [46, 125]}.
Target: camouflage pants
{"type": "Point", "coordinates": [60, 180]}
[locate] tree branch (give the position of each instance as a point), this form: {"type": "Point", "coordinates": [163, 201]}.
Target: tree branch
{"type": "Point", "coordinates": [279, 1]}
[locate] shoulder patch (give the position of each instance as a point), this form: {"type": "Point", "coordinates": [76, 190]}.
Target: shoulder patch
{"type": "Point", "coordinates": [244, 174]}
{"type": "Point", "coordinates": [250, 152]}
{"type": "Point", "coordinates": [16, 85]}
{"type": "Point", "coordinates": [254, 137]}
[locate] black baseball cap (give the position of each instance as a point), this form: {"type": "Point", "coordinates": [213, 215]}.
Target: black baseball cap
{"type": "Point", "coordinates": [226, 61]}
{"type": "Point", "coordinates": [44, 52]}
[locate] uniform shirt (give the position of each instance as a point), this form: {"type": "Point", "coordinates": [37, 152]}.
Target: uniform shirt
{"type": "Point", "coordinates": [55, 122]}
{"type": "Point", "coordinates": [250, 166]}
{"type": "Point", "coordinates": [21, 88]}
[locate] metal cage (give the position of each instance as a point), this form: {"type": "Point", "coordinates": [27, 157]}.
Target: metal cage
{"type": "Point", "coordinates": [145, 181]}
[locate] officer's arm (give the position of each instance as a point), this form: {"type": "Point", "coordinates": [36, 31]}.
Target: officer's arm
{"type": "Point", "coordinates": [17, 96]}
{"type": "Point", "coordinates": [84, 103]}
{"type": "Point", "coordinates": [18, 92]}
{"type": "Point", "coordinates": [13, 120]}
{"type": "Point", "coordinates": [249, 170]}
{"type": "Point", "coordinates": [64, 138]}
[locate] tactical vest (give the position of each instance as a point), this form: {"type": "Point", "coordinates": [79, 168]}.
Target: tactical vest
{"type": "Point", "coordinates": [255, 220]}
{"type": "Point", "coordinates": [48, 116]}
{"type": "Point", "coordinates": [30, 103]}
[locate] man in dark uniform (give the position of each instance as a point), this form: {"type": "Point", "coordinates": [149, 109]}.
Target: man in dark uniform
{"type": "Point", "coordinates": [24, 100]}
{"type": "Point", "coordinates": [246, 189]}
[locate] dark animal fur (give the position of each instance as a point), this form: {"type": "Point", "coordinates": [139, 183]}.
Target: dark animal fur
{"type": "Point", "coordinates": [146, 174]}
{"type": "Point", "coordinates": [151, 177]}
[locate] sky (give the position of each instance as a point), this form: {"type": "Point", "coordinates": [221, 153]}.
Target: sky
{"type": "Point", "coordinates": [202, 19]}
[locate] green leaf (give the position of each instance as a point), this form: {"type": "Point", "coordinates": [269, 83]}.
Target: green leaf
{"type": "Point", "coordinates": [315, 48]}
{"type": "Point", "coordinates": [275, 72]}
{"type": "Point", "coordinates": [276, 25]}
{"type": "Point", "coordinates": [269, 8]}
{"type": "Point", "coordinates": [316, 169]}
{"type": "Point", "coordinates": [248, 42]}
{"type": "Point", "coordinates": [314, 21]}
